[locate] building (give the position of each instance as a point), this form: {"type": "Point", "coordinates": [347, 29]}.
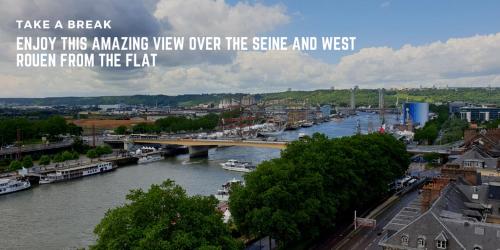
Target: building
{"type": "Point", "coordinates": [228, 103]}
{"type": "Point", "coordinates": [326, 110]}
{"type": "Point", "coordinates": [248, 100]}
{"type": "Point", "coordinates": [454, 107]}
{"type": "Point", "coordinates": [475, 158]}
{"type": "Point", "coordinates": [415, 112]}
{"type": "Point", "coordinates": [451, 216]}
{"type": "Point", "coordinates": [479, 114]}
{"type": "Point", "coordinates": [105, 107]}
{"type": "Point", "coordinates": [488, 140]}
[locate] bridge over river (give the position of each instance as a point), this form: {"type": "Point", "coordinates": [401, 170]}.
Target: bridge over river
{"type": "Point", "coordinates": [202, 145]}
{"type": "Point", "coordinates": [199, 147]}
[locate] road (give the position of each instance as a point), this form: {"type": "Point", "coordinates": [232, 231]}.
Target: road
{"type": "Point", "coordinates": [36, 147]}
{"type": "Point", "coordinates": [368, 238]}
{"type": "Point", "coordinates": [208, 142]}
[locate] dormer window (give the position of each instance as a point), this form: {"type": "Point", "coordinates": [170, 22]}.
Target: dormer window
{"type": "Point", "coordinates": [441, 241]}
{"type": "Point", "coordinates": [421, 242]}
{"type": "Point", "coordinates": [404, 240]}
{"type": "Point", "coordinates": [477, 248]}
{"type": "Point", "coordinates": [441, 244]}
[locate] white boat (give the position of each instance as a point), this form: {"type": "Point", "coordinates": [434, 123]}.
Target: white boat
{"type": "Point", "coordinates": [240, 166]}
{"type": "Point", "coordinates": [271, 133]}
{"type": "Point", "coordinates": [150, 158]}
{"type": "Point", "coordinates": [307, 124]}
{"type": "Point", "coordinates": [76, 172]}
{"type": "Point", "coordinates": [11, 185]}
{"type": "Point", "coordinates": [302, 135]}
{"type": "Point", "coordinates": [223, 193]}
{"type": "Point", "coordinates": [270, 130]}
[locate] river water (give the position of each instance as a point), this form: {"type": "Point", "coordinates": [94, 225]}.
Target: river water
{"type": "Point", "coordinates": [63, 215]}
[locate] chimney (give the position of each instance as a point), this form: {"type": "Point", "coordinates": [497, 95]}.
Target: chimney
{"type": "Point", "coordinates": [432, 191]}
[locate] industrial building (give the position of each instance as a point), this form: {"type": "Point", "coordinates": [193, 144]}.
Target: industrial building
{"type": "Point", "coordinates": [326, 110]}
{"type": "Point", "coordinates": [479, 114]}
{"type": "Point", "coordinates": [416, 113]}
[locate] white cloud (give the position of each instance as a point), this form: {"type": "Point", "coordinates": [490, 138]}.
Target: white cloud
{"type": "Point", "coordinates": [385, 4]}
{"type": "Point", "coordinates": [217, 18]}
{"type": "Point", "coordinates": [249, 72]}
{"type": "Point", "coordinates": [470, 61]}
{"type": "Point", "coordinates": [455, 61]}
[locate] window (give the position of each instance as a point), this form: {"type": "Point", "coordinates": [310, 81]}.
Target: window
{"type": "Point", "coordinates": [420, 242]}
{"type": "Point", "coordinates": [477, 248]}
{"type": "Point", "coordinates": [441, 244]}
{"type": "Point", "coordinates": [404, 240]}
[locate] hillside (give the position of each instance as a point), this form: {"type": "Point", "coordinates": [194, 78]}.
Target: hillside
{"type": "Point", "coordinates": [364, 97]}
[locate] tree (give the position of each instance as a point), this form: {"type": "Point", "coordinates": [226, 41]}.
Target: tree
{"type": "Point", "coordinates": [44, 160]}
{"type": "Point", "coordinates": [145, 128]}
{"type": "Point", "coordinates": [92, 154]}
{"type": "Point", "coordinates": [79, 146]}
{"type": "Point", "coordinates": [66, 155]}
{"type": "Point", "coordinates": [103, 150]}
{"type": "Point", "coordinates": [121, 130]}
{"type": "Point", "coordinates": [74, 130]}
{"type": "Point", "coordinates": [431, 157]}
{"type": "Point", "coordinates": [27, 161]}
{"type": "Point", "coordinates": [428, 133]}
{"type": "Point", "coordinates": [15, 165]}
{"type": "Point", "coordinates": [54, 126]}
{"type": "Point", "coordinates": [164, 217]}
{"type": "Point", "coordinates": [315, 182]}
{"type": "Point", "coordinates": [76, 155]}
{"type": "Point", "coordinates": [58, 158]}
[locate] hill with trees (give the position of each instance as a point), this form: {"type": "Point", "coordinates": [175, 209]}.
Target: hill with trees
{"type": "Point", "coordinates": [341, 97]}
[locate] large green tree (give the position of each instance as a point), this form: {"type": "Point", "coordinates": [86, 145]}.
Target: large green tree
{"type": "Point", "coordinates": [27, 161]}
{"type": "Point", "coordinates": [92, 154]}
{"type": "Point", "coordinates": [15, 165]}
{"type": "Point", "coordinates": [164, 217]}
{"type": "Point", "coordinates": [44, 160]}
{"type": "Point", "coordinates": [35, 129]}
{"type": "Point", "coordinates": [316, 181]}
{"type": "Point", "coordinates": [121, 130]}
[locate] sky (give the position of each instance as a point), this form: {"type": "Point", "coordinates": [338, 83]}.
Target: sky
{"type": "Point", "coordinates": [399, 44]}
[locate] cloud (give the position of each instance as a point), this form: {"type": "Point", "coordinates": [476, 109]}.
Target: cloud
{"type": "Point", "coordinates": [129, 17]}
{"type": "Point", "coordinates": [249, 72]}
{"type": "Point", "coordinates": [457, 61]}
{"type": "Point", "coordinates": [217, 18]}
{"type": "Point", "coordinates": [469, 61]}
{"type": "Point", "coordinates": [385, 4]}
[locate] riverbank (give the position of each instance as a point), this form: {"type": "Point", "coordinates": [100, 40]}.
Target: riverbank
{"type": "Point", "coordinates": [63, 215]}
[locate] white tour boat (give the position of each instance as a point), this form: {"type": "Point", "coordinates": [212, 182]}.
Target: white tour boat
{"type": "Point", "coordinates": [240, 166]}
{"type": "Point", "coordinates": [150, 158]}
{"type": "Point", "coordinates": [12, 185]}
{"type": "Point", "coordinates": [148, 154]}
{"type": "Point", "coordinates": [77, 172]}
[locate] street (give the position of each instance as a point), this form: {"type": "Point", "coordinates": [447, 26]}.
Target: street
{"type": "Point", "coordinates": [368, 238]}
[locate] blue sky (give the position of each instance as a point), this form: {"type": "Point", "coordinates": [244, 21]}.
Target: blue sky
{"type": "Point", "coordinates": [389, 23]}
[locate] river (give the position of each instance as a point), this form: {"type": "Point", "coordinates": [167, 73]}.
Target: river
{"type": "Point", "coordinates": [63, 215]}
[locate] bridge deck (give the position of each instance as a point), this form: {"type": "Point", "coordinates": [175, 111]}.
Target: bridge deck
{"type": "Point", "coordinates": [203, 142]}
